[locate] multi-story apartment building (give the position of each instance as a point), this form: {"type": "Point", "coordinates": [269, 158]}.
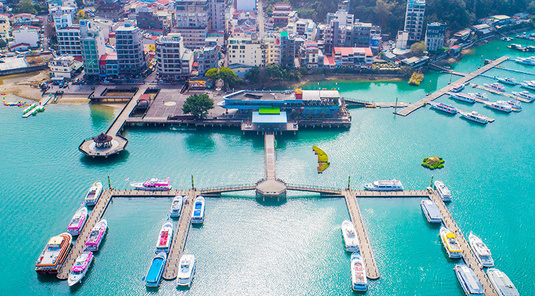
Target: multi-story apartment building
{"type": "Point", "coordinates": [311, 55]}
{"type": "Point", "coordinates": [435, 35]}
{"type": "Point", "coordinates": [271, 51]}
{"type": "Point", "coordinates": [217, 15]}
{"type": "Point", "coordinates": [208, 56]}
{"type": "Point", "coordinates": [109, 65]}
{"type": "Point", "coordinates": [62, 67]}
{"type": "Point", "coordinates": [150, 19]}
{"type": "Point", "coordinates": [192, 21]}
{"type": "Point", "coordinates": [287, 49]}
{"type": "Point", "coordinates": [130, 54]}
{"type": "Point", "coordinates": [414, 19]}
{"type": "Point", "coordinates": [306, 28]}
{"type": "Point", "coordinates": [353, 57]}
{"type": "Point", "coordinates": [169, 52]}
{"type": "Point", "coordinates": [93, 47]}
{"type": "Point", "coordinates": [5, 27]}
{"type": "Point", "coordinates": [245, 51]}
{"type": "Point", "coordinates": [366, 35]}
{"type": "Point", "coordinates": [68, 36]}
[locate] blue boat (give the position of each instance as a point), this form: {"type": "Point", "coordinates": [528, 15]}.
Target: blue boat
{"type": "Point", "coordinates": [198, 211]}
{"type": "Point", "coordinates": [468, 280]}
{"type": "Point", "coordinates": [156, 270]}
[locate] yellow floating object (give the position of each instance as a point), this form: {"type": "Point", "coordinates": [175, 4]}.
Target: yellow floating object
{"type": "Point", "coordinates": [323, 159]}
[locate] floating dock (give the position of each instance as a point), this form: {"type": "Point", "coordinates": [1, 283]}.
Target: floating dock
{"type": "Point", "coordinates": [501, 93]}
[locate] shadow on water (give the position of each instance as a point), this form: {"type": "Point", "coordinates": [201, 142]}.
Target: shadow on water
{"type": "Point", "coordinates": [101, 115]}
{"type": "Point", "coordinates": [101, 161]}
{"type": "Point", "coordinates": [270, 202]}
{"type": "Point", "coordinates": [200, 142]}
{"type": "Point", "coordinates": [47, 278]}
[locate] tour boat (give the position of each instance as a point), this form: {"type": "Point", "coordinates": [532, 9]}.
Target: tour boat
{"type": "Point", "coordinates": [93, 194]}
{"type": "Point", "coordinates": [358, 273]}
{"type": "Point", "coordinates": [443, 107]}
{"type": "Point", "coordinates": [507, 80]}
{"type": "Point", "coordinates": [516, 105]}
{"type": "Point", "coordinates": [525, 94]}
{"type": "Point", "coordinates": [197, 216]}
{"type": "Point", "coordinates": [384, 185]}
{"type": "Point", "coordinates": [96, 235]}
{"type": "Point", "coordinates": [463, 97]}
{"type": "Point", "coordinates": [450, 243]}
{"type": "Point", "coordinates": [468, 280]}
{"type": "Point", "coordinates": [186, 270]}
{"type": "Point", "coordinates": [350, 236]}
{"type": "Point", "coordinates": [482, 252]}
{"type": "Point", "coordinates": [500, 106]}
{"type": "Point", "coordinates": [54, 254]}
{"type": "Point", "coordinates": [443, 191]}
{"type": "Point", "coordinates": [77, 222]}
{"type": "Point", "coordinates": [502, 283]}
{"type": "Point", "coordinates": [496, 86]}
{"type": "Point", "coordinates": [153, 184]}
{"type": "Point", "coordinates": [176, 206]}
{"type": "Point", "coordinates": [431, 211]}
{"type": "Point", "coordinates": [165, 238]}
{"type": "Point", "coordinates": [80, 267]}
{"type": "Point", "coordinates": [526, 61]}
{"type": "Point", "coordinates": [154, 275]}
{"type": "Point", "coordinates": [479, 96]}
{"type": "Point", "coordinates": [457, 87]}
{"type": "Point", "coordinates": [474, 116]}
{"type": "Point", "coordinates": [530, 86]}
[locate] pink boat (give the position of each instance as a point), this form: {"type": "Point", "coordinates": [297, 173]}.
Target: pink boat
{"type": "Point", "coordinates": [96, 236]}
{"type": "Point", "coordinates": [153, 184]}
{"type": "Point", "coordinates": [80, 267]}
{"type": "Point", "coordinates": [165, 238]}
{"type": "Point", "coordinates": [77, 222]}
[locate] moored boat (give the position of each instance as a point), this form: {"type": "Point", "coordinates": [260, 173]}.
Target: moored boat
{"type": "Point", "coordinates": [443, 191]}
{"type": "Point", "coordinates": [468, 280]}
{"type": "Point", "coordinates": [500, 106]}
{"type": "Point", "coordinates": [479, 96]}
{"type": "Point", "coordinates": [481, 250]}
{"type": "Point", "coordinates": [153, 184]}
{"type": "Point", "coordinates": [80, 267]}
{"type": "Point", "coordinates": [507, 80]}
{"type": "Point", "coordinates": [96, 236]}
{"type": "Point", "coordinates": [431, 211]}
{"type": "Point", "coordinates": [443, 107]}
{"type": "Point", "coordinates": [474, 116]}
{"type": "Point", "coordinates": [77, 222]}
{"type": "Point", "coordinates": [495, 86]}
{"type": "Point", "coordinates": [358, 273]}
{"type": "Point", "coordinates": [197, 217]}
{"type": "Point", "coordinates": [526, 61]}
{"type": "Point", "coordinates": [176, 206]}
{"type": "Point", "coordinates": [186, 270]}
{"type": "Point", "coordinates": [450, 243]}
{"type": "Point", "coordinates": [528, 84]}
{"type": "Point", "coordinates": [525, 94]}
{"type": "Point", "coordinates": [463, 97]}
{"type": "Point", "coordinates": [502, 283]}
{"type": "Point", "coordinates": [154, 275]}
{"type": "Point", "coordinates": [54, 254]}
{"type": "Point", "coordinates": [165, 238]}
{"type": "Point", "coordinates": [93, 194]}
{"type": "Point", "coordinates": [349, 233]}
{"type": "Point", "coordinates": [457, 87]}
{"type": "Point", "coordinates": [384, 185]}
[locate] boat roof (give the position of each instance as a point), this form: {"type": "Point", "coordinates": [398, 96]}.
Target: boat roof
{"type": "Point", "coordinates": [468, 275]}
{"type": "Point", "coordinates": [56, 240]}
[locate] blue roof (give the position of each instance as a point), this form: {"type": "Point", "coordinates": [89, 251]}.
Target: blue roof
{"type": "Point", "coordinates": [269, 118]}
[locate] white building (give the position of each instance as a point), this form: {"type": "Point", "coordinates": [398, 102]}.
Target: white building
{"type": "Point", "coordinates": [25, 35]}
{"type": "Point", "coordinates": [68, 35]}
{"type": "Point", "coordinates": [245, 51]}
{"type": "Point", "coordinates": [401, 40]}
{"type": "Point", "coordinates": [58, 11]}
{"type": "Point", "coordinates": [130, 54]}
{"type": "Point", "coordinates": [271, 51]}
{"type": "Point", "coordinates": [192, 21]}
{"type": "Point", "coordinates": [62, 67]}
{"type": "Point", "coordinates": [414, 19]}
{"type": "Point", "coordinates": [217, 15]}
{"type": "Point", "coordinates": [435, 35]}
{"type": "Point", "coordinates": [169, 51]}
{"type": "Point", "coordinates": [5, 26]}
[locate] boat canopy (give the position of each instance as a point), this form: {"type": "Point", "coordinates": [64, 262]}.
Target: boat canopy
{"type": "Point", "coordinates": [56, 240]}
{"type": "Point", "coordinates": [450, 235]}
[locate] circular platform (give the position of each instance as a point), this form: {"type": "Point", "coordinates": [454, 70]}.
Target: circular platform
{"type": "Point", "coordinates": [271, 189]}
{"type": "Point", "coordinates": [93, 147]}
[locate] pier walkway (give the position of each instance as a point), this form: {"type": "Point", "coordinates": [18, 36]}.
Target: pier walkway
{"type": "Point", "coordinates": [501, 93]}
{"type": "Point", "coordinates": [362, 103]}
{"type": "Point", "coordinates": [468, 255]}
{"type": "Point", "coordinates": [516, 71]}
{"type": "Point", "coordinates": [446, 70]}
{"type": "Point", "coordinates": [269, 148]}
{"type": "Point", "coordinates": [463, 80]}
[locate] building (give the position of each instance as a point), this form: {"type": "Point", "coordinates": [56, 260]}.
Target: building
{"type": "Point", "coordinates": [414, 19]}
{"type": "Point", "coordinates": [93, 47]}
{"type": "Point", "coordinates": [287, 50]}
{"type": "Point", "coordinates": [366, 35]}
{"type": "Point", "coordinates": [68, 36]}
{"type": "Point", "coordinates": [130, 54]}
{"type": "Point", "coordinates": [192, 21]}
{"type": "Point", "coordinates": [109, 67]}
{"type": "Point", "coordinates": [63, 67]}
{"type": "Point", "coordinates": [24, 19]}
{"type": "Point", "coordinates": [282, 14]}
{"type": "Point", "coordinates": [311, 55]}
{"type": "Point", "coordinates": [353, 57]}
{"type": "Point", "coordinates": [245, 51]}
{"type": "Point", "coordinates": [5, 26]}
{"type": "Point", "coordinates": [435, 35]}
{"type": "Point", "coordinates": [208, 56]}
{"type": "Point", "coordinates": [338, 31]}
{"type": "Point", "coordinates": [26, 35]}
{"type": "Point", "coordinates": [58, 11]}
{"type": "Point", "coordinates": [169, 51]}
{"type": "Point", "coordinates": [271, 51]}
{"type": "Point", "coordinates": [306, 28]}
{"type": "Point", "coordinates": [217, 15]}
{"type": "Point", "coordinates": [150, 19]}
{"type": "Point", "coordinates": [402, 40]}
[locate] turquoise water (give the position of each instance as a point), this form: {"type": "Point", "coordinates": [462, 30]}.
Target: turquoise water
{"type": "Point", "coordinates": [292, 248]}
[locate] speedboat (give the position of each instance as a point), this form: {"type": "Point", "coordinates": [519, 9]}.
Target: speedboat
{"type": "Point", "coordinates": [468, 280]}
{"type": "Point", "coordinates": [54, 254]}
{"type": "Point", "coordinates": [450, 243]}
{"type": "Point", "coordinates": [358, 273]}
{"type": "Point", "coordinates": [443, 191]}
{"type": "Point", "coordinates": [80, 267]}
{"type": "Point", "coordinates": [153, 184]}
{"type": "Point", "coordinates": [500, 106]}
{"type": "Point", "coordinates": [93, 194]}
{"type": "Point", "coordinates": [197, 217]}
{"type": "Point", "coordinates": [154, 275]}
{"type": "Point", "coordinates": [528, 84]}
{"type": "Point", "coordinates": [482, 252]}
{"type": "Point", "coordinates": [502, 283]}
{"type": "Point", "coordinates": [176, 206]}
{"type": "Point", "coordinates": [165, 238]}
{"type": "Point", "coordinates": [495, 86]}
{"type": "Point", "coordinates": [443, 107]}
{"type": "Point", "coordinates": [507, 80]}
{"type": "Point", "coordinates": [384, 185]}
{"type": "Point", "coordinates": [457, 87]}
{"type": "Point", "coordinates": [525, 94]}
{"type": "Point", "coordinates": [479, 96]}
{"type": "Point", "coordinates": [431, 211]}
{"type": "Point", "coordinates": [350, 236]}
{"type": "Point", "coordinates": [463, 97]}
{"type": "Point", "coordinates": [96, 235]}
{"type": "Point", "coordinates": [77, 222]}
{"type": "Point", "coordinates": [186, 270]}
{"type": "Point", "coordinates": [474, 116]}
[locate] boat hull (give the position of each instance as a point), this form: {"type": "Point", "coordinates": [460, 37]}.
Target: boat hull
{"type": "Point", "coordinates": [155, 272]}
{"type": "Point", "coordinates": [350, 237]}
{"type": "Point", "coordinates": [186, 272]}
{"type": "Point", "coordinates": [451, 254]}
{"type": "Point", "coordinates": [75, 279]}
{"type": "Point", "coordinates": [431, 214]}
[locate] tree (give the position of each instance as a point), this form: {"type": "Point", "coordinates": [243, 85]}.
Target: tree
{"type": "Point", "coordinates": [228, 76]}
{"type": "Point", "coordinates": [198, 105]}
{"type": "Point", "coordinates": [3, 43]}
{"type": "Point", "coordinates": [418, 48]}
{"type": "Point", "coordinates": [25, 6]}
{"type": "Point", "coordinates": [212, 74]}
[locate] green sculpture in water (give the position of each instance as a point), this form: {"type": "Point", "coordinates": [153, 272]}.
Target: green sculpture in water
{"type": "Point", "coordinates": [433, 162]}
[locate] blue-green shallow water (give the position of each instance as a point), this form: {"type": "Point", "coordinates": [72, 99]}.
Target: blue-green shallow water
{"type": "Point", "coordinates": [293, 248]}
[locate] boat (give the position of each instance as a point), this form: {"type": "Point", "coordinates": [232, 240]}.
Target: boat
{"type": "Point", "coordinates": [54, 254]}
{"type": "Point", "coordinates": [506, 38]}
{"type": "Point", "coordinates": [80, 267]}
{"type": "Point", "coordinates": [517, 47]}
{"type": "Point", "coordinates": [516, 105]}
{"type": "Point", "coordinates": [431, 211]}
{"type": "Point", "coordinates": [495, 86]}
{"type": "Point", "coordinates": [77, 222]}
{"type": "Point", "coordinates": [358, 273]}
{"type": "Point", "coordinates": [154, 275]}
{"type": "Point", "coordinates": [525, 94]}
{"type": "Point", "coordinates": [443, 191]}
{"type": "Point", "coordinates": [153, 184]}
{"type": "Point", "coordinates": [197, 217]}
{"type": "Point", "coordinates": [483, 253]}
{"type": "Point", "coordinates": [528, 85]}
{"type": "Point", "coordinates": [186, 270]}
{"type": "Point", "coordinates": [93, 194]}
{"type": "Point", "coordinates": [450, 243]}
{"type": "Point", "coordinates": [507, 80]}
{"type": "Point", "coordinates": [443, 107]}
{"type": "Point", "coordinates": [176, 206]}
{"type": "Point", "coordinates": [384, 185]}
{"type": "Point", "coordinates": [165, 238]}
{"type": "Point", "coordinates": [479, 96]}
{"type": "Point", "coordinates": [474, 116]}
{"type": "Point", "coordinates": [468, 280]}
{"type": "Point", "coordinates": [457, 88]}
{"type": "Point", "coordinates": [96, 236]}
{"type": "Point", "coordinates": [463, 97]}
{"type": "Point", "coordinates": [350, 236]}
{"type": "Point", "coordinates": [500, 106]}
{"type": "Point", "coordinates": [526, 61]}
{"type": "Point", "coordinates": [502, 283]}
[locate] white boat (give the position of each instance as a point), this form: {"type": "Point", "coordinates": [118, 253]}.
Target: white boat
{"type": "Point", "coordinates": [186, 270]}
{"type": "Point", "coordinates": [443, 191]}
{"type": "Point", "coordinates": [457, 88]}
{"type": "Point", "coordinates": [197, 217]}
{"type": "Point", "coordinates": [80, 267]}
{"type": "Point", "coordinates": [443, 107]}
{"type": "Point", "coordinates": [479, 96]}
{"type": "Point", "coordinates": [526, 61]}
{"type": "Point", "coordinates": [350, 236]}
{"type": "Point", "coordinates": [528, 84]}
{"type": "Point", "coordinates": [54, 255]}
{"type": "Point", "coordinates": [93, 194]}
{"type": "Point", "coordinates": [176, 206]}
{"type": "Point", "coordinates": [165, 238]}
{"type": "Point", "coordinates": [153, 184]}
{"type": "Point", "coordinates": [507, 80]}
{"type": "Point", "coordinates": [96, 236]}
{"type": "Point", "coordinates": [463, 97]}
{"type": "Point", "coordinates": [525, 94]}
{"type": "Point", "coordinates": [495, 86]}
{"type": "Point", "coordinates": [474, 116]}
{"type": "Point", "coordinates": [500, 106]}
{"type": "Point", "coordinates": [384, 185]}
{"type": "Point", "coordinates": [77, 221]}
{"type": "Point", "coordinates": [483, 253]}
{"type": "Point", "coordinates": [450, 243]}
{"type": "Point", "coordinates": [502, 283]}
{"type": "Point", "coordinates": [358, 273]}
{"type": "Point", "coordinates": [468, 280]}
{"type": "Point", "coordinates": [431, 211]}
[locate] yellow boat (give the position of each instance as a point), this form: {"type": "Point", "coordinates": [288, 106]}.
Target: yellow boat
{"type": "Point", "coordinates": [449, 240]}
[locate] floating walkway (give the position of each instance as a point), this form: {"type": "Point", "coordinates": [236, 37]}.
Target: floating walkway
{"type": "Point", "coordinates": [361, 103]}
{"type": "Point", "coordinates": [516, 71]}
{"type": "Point", "coordinates": [501, 93]}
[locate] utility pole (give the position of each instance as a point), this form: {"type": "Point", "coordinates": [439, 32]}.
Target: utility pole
{"type": "Point", "coordinates": [396, 106]}
{"type": "Point", "coordinates": [348, 183]}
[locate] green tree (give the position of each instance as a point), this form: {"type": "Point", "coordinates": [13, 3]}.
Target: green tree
{"type": "Point", "coordinates": [228, 76]}
{"type": "Point", "coordinates": [212, 74]}
{"type": "Point", "coordinates": [25, 6]}
{"type": "Point", "coordinates": [198, 105]}
{"type": "Point", "coordinates": [418, 48]}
